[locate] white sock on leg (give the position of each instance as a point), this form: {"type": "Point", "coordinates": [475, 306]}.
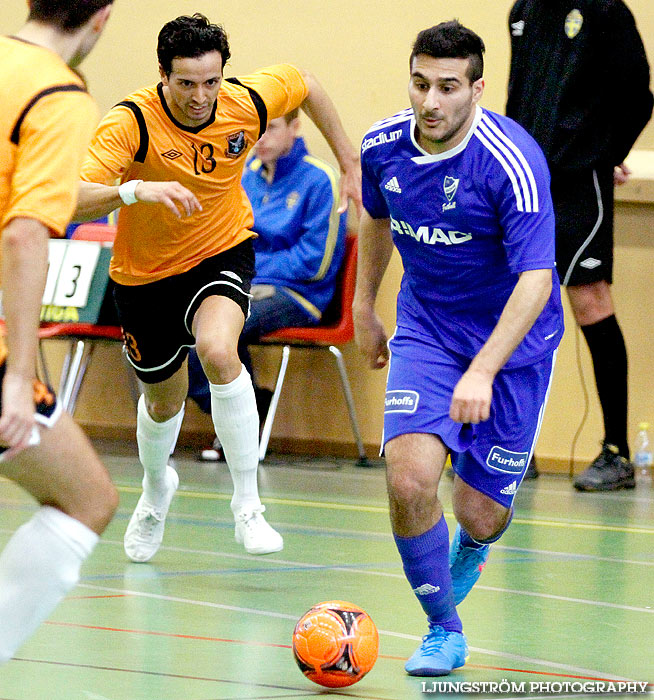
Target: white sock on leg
{"type": "Point", "coordinates": [39, 565]}
{"type": "Point", "coordinates": [155, 442]}
{"type": "Point", "coordinates": [236, 421]}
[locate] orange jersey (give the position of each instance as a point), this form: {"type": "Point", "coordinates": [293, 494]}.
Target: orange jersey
{"type": "Point", "coordinates": [46, 123]}
{"type": "Point", "coordinates": [139, 139]}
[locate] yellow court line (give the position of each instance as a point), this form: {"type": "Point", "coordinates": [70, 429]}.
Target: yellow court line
{"type": "Point", "coordinates": [587, 526]}
{"type": "Point", "coordinates": [384, 510]}
{"type": "Point", "coordinates": [278, 501]}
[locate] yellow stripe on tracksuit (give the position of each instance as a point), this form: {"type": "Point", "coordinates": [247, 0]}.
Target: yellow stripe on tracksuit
{"type": "Point", "coordinates": [334, 217]}
{"type": "Point", "coordinates": [305, 303]}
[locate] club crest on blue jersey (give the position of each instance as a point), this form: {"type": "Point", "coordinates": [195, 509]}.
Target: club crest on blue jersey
{"type": "Point", "coordinates": [450, 186]}
{"type": "Point", "coordinates": [507, 461]}
{"type": "Point", "coordinates": [401, 401]}
{"type": "Point", "coordinates": [235, 144]}
{"type": "Point", "coordinates": [292, 199]}
{"type": "Point", "coordinates": [573, 23]}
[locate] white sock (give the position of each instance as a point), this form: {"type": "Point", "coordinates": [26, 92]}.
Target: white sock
{"type": "Point", "coordinates": [235, 418]}
{"type": "Point", "coordinates": [155, 441]}
{"type": "Point", "coordinates": [180, 420]}
{"type": "Point", "coordinates": [39, 565]}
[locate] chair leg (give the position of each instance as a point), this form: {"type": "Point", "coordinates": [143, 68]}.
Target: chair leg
{"type": "Point", "coordinates": [79, 379]}
{"type": "Point", "coordinates": [272, 410]}
{"type": "Point", "coordinates": [45, 374]}
{"type": "Point", "coordinates": [65, 367]}
{"type": "Point", "coordinates": [72, 369]}
{"type": "Point", "coordinates": [347, 392]}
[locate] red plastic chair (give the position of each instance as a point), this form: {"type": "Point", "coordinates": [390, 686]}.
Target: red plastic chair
{"type": "Point", "coordinates": [83, 337]}
{"type": "Point", "coordinates": [336, 328]}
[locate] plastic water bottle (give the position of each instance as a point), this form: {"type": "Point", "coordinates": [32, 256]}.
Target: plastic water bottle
{"type": "Point", "coordinates": [643, 455]}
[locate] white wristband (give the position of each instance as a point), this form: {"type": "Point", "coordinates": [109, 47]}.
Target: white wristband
{"type": "Point", "coordinates": [127, 191]}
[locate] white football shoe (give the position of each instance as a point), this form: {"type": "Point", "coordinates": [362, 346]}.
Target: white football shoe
{"type": "Point", "coordinates": [146, 526]}
{"type": "Point", "coordinates": [254, 533]}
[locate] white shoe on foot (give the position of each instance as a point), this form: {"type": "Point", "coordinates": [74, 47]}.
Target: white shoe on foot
{"type": "Point", "coordinates": [146, 526]}
{"type": "Point", "coordinates": [254, 533]}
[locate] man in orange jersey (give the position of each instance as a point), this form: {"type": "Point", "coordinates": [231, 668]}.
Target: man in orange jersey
{"type": "Point", "coordinates": [183, 256]}
{"type": "Point", "coordinates": [46, 122]}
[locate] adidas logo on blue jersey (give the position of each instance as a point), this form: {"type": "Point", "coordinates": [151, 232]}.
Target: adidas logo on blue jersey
{"type": "Point", "coordinates": [393, 185]}
{"type": "Point", "coordinates": [510, 490]}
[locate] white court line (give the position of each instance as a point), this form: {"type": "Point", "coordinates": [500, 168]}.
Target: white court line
{"type": "Point", "coordinates": [626, 496]}
{"type": "Point", "coordinates": [286, 616]}
{"type": "Point", "coordinates": [386, 574]}
{"type": "Point", "coordinates": [566, 599]}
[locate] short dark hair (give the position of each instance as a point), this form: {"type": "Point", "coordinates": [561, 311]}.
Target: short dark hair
{"type": "Point", "coordinates": [190, 37]}
{"type": "Point", "coordinates": [452, 40]}
{"type": "Point", "coordinates": [65, 15]}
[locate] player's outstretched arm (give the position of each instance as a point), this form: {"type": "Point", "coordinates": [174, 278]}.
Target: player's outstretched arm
{"type": "Point", "coordinates": [96, 200]}
{"type": "Point", "coordinates": [375, 249]}
{"type": "Point", "coordinates": [472, 395]}
{"type": "Point", "coordinates": [322, 112]}
{"type": "Point", "coordinates": [24, 269]}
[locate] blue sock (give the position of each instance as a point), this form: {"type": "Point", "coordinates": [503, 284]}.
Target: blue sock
{"type": "Point", "coordinates": [425, 560]}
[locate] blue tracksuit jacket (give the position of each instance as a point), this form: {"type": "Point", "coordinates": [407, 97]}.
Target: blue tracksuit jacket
{"type": "Point", "coordinates": [301, 235]}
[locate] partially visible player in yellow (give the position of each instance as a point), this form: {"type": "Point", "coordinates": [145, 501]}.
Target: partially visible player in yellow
{"type": "Point", "coordinates": [183, 256]}
{"type": "Point", "coordinates": [46, 122]}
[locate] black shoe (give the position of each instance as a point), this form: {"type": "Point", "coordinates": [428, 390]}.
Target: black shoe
{"type": "Point", "coordinates": [532, 471]}
{"type": "Point", "coordinates": [608, 472]}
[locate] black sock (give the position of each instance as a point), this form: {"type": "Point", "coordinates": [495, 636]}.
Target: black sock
{"type": "Point", "coordinates": [607, 348]}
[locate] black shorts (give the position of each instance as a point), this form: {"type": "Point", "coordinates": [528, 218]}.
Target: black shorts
{"type": "Point", "coordinates": [157, 318]}
{"type": "Point", "coordinates": [47, 408]}
{"type": "Point", "coordinates": [583, 205]}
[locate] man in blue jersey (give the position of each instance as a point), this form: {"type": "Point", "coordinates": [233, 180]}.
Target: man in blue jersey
{"type": "Point", "coordinates": [298, 251]}
{"type": "Point", "coordinates": [463, 193]}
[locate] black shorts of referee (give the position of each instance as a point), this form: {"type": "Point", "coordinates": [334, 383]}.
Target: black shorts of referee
{"type": "Point", "coordinates": [583, 207]}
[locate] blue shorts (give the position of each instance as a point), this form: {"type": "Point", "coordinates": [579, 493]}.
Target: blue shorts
{"type": "Point", "coordinates": [492, 456]}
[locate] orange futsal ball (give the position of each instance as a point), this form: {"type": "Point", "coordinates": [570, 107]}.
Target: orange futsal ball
{"type": "Point", "coordinates": [335, 643]}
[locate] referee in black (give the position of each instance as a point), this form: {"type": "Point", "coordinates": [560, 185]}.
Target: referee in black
{"type": "Point", "coordinates": [579, 83]}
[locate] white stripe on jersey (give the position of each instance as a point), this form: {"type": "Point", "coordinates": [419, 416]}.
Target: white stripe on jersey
{"type": "Point", "coordinates": [523, 192]}
{"type": "Point", "coordinates": [390, 121]}
{"type": "Point", "coordinates": [527, 168]}
{"type": "Point", "coordinates": [507, 169]}
{"type": "Point", "coordinates": [512, 163]}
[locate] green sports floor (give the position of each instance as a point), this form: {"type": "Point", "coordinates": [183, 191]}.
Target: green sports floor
{"type": "Point", "coordinates": [566, 598]}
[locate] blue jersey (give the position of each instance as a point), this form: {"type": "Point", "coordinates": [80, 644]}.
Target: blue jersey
{"type": "Point", "coordinates": [466, 222]}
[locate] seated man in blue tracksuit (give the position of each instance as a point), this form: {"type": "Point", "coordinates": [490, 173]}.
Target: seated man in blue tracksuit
{"type": "Point", "coordinates": [299, 249]}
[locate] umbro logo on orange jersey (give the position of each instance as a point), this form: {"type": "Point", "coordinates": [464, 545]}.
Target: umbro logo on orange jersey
{"type": "Point", "coordinates": [171, 154]}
